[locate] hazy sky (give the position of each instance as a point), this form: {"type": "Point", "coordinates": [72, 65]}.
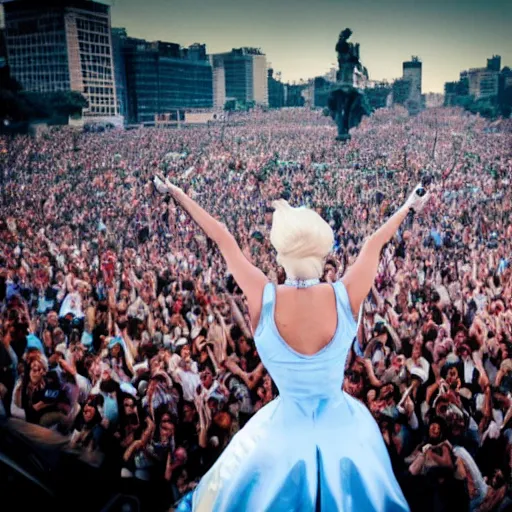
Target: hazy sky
{"type": "Point", "coordinates": [298, 36]}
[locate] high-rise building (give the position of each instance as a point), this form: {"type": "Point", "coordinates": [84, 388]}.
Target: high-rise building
{"type": "Point", "coordinates": [119, 37]}
{"type": "Point", "coordinates": [60, 45]}
{"type": "Point", "coordinates": [241, 75]}
{"type": "Point", "coordinates": [260, 81]}
{"type": "Point", "coordinates": [164, 77]}
{"type": "Point", "coordinates": [494, 63]}
{"type": "Point", "coordinates": [412, 72]}
{"type": "Point", "coordinates": [294, 95]}
{"type": "Point", "coordinates": [219, 81]}
{"type": "Point", "coordinates": [483, 83]}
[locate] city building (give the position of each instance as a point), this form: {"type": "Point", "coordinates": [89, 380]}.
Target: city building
{"type": "Point", "coordinates": [62, 45]}
{"type": "Point", "coordinates": [219, 81]}
{"type": "Point", "coordinates": [295, 95]}
{"type": "Point", "coordinates": [482, 86]}
{"type": "Point", "coordinates": [412, 72]}
{"type": "Point", "coordinates": [483, 83]}
{"type": "Point", "coordinates": [494, 63]}
{"type": "Point", "coordinates": [162, 78]}
{"type": "Point", "coordinates": [119, 37]}
{"type": "Point", "coordinates": [241, 75]}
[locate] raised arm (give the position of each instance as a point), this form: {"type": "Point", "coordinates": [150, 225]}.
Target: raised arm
{"type": "Point", "coordinates": [250, 278]}
{"type": "Point", "coordinates": [360, 276]}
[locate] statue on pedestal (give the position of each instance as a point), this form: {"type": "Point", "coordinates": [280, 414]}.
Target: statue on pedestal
{"type": "Point", "coordinates": [347, 104]}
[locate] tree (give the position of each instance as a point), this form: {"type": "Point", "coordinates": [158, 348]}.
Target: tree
{"type": "Point", "coordinates": [59, 104]}
{"type": "Point", "coordinates": [506, 102]}
{"type": "Point", "coordinates": [53, 107]}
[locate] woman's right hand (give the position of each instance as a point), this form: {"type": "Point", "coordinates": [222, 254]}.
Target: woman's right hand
{"type": "Point", "coordinates": [416, 202]}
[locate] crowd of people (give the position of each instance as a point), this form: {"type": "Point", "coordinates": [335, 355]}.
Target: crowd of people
{"type": "Point", "coordinates": [122, 330]}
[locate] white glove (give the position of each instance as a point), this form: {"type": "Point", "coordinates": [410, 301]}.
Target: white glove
{"type": "Point", "coordinates": [165, 187]}
{"type": "Point", "coordinates": [160, 185]}
{"type": "Point", "coordinates": [416, 202]}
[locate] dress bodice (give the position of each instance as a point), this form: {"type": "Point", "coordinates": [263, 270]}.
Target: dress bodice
{"type": "Point", "coordinates": [312, 449]}
{"type": "Point", "coordinates": [305, 377]}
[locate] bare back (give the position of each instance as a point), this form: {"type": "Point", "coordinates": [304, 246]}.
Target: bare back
{"type": "Point", "coordinates": [307, 318]}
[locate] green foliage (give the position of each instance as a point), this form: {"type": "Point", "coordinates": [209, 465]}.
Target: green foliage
{"type": "Point", "coordinates": [233, 105]}
{"type": "Point", "coordinates": [506, 102]}
{"type": "Point", "coordinates": [490, 109]}
{"type": "Point", "coordinates": [230, 105]}
{"type": "Point", "coordinates": [54, 107]}
{"type": "Point", "coordinates": [58, 104]}
{"type": "Point", "coordinates": [485, 108]}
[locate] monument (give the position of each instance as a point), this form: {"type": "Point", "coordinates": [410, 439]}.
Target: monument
{"type": "Point", "coordinates": [347, 103]}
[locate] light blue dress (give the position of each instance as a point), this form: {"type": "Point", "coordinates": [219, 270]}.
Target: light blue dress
{"type": "Point", "coordinates": [314, 448]}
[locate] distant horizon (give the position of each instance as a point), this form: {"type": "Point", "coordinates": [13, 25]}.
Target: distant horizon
{"type": "Point", "coordinates": [298, 37]}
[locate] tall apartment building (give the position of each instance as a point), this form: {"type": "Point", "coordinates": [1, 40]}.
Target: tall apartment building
{"type": "Point", "coordinates": [412, 71]}
{"type": "Point", "coordinates": [60, 45]}
{"type": "Point", "coordinates": [162, 77]}
{"type": "Point", "coordinates": [119, 36]}
{"type": "Point", "coordinates": [483, 83]}
{"type": "Point", "coordinates": [219, 81]}
{"type": "Point", "coordinates": [241, 75]}
{"type": "Point", "coordinates": [494, 63]}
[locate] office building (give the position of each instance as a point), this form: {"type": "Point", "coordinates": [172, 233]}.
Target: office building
{"type": "Point", "coordinates": [494, 63]}
{"type": "Point", "coordinates": [219, 81]}
{"type": "Point", "coordinates": [483, 83]}
{"type": "Point", "coordinates": [412, 71]}
{"type": "Point", "coordinates": [61, 45]}
{"type": "Point", "coordinates": [295, 95]}
{"type": "Point", "coordinates": [241, 75]}
{"type": "Point", "coordinates": [163, 77]}
{"type": "Point", "coordinates": [119, 37]}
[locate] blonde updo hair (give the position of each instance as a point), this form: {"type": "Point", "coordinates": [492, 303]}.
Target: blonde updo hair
{"type": "Point", "coordinates": [302, 240]}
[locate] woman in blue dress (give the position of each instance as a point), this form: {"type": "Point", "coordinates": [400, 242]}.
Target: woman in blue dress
{"type": "Point", "coordinates": [314, 448]}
